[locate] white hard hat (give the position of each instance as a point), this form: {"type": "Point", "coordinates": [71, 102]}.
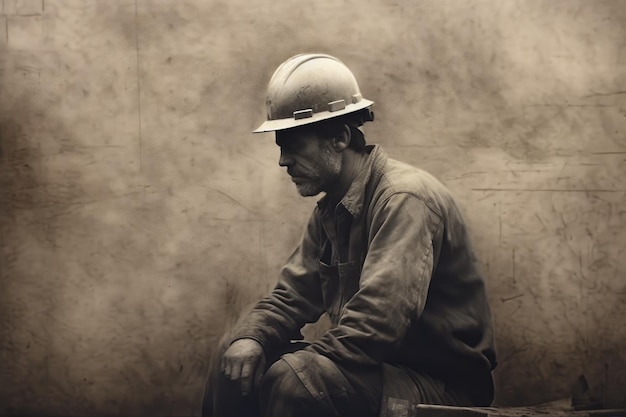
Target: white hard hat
{"type": "Point", "coordinates": [309, 88]}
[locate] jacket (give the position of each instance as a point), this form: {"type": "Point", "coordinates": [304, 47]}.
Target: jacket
{"type": "Point", "coordinates": [393, 266]}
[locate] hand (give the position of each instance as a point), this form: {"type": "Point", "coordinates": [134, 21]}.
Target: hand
{"type": "Point", "coordinates": [244, 361]}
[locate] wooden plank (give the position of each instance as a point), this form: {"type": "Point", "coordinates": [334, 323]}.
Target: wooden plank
{"type": "Point", "coordinates": [426, 410]}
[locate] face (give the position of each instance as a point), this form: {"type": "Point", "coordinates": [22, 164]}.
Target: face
{"type": "Point", "coordinates": [311, 161]}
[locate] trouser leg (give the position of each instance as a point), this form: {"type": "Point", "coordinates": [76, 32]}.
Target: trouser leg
{"type": "Point", "coordinates": [306, 384]}
{"type": "Point", "coordinates": [222, 397]}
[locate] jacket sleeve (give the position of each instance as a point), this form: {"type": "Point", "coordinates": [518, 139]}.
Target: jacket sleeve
{"type": "Point", "coordinates": [295, 300]}
{"type": "Point", "coordinates": [393, 286]}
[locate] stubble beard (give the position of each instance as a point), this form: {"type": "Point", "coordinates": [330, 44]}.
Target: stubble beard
{"type": "Point", "coordinates": [329, 163]}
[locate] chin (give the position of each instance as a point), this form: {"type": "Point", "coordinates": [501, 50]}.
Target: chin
{"type": "Point", "coordinates": [308, 191]}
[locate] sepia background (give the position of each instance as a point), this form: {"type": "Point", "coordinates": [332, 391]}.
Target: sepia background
{"type": "Point", "coordinates": [139, 215]}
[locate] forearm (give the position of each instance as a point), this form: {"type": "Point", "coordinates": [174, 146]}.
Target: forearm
{"type": "Point", "coordinates": [278, 318]}
{"type": "Point", "coordinates": [295, 301]}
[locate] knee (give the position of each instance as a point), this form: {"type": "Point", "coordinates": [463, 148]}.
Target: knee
{"type": "Point", "coordinates": [280, 379]}
{"type": "Point", "coordinates": [304, 375]}
{"type": "Point", "coordinates": [277, 371]}
{"type": "Point", "coordinates": [304, 381]}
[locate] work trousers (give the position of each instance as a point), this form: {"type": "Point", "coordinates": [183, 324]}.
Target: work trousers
{"type": "Point", "coordinates": [306, 384]}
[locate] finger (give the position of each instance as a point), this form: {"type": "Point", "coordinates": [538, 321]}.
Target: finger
{"type": "Point", "coordinates": [247, 372]}
{"type": "Point", "coordinates": [258, 373]}
{"type": "Point", "coordinates": [235, 370]}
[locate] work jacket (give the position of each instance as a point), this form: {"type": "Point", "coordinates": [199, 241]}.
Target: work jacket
{"type": "Point", "coordinates": [393, 267]}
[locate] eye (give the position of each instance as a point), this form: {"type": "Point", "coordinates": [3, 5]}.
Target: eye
{"type": "Point", "coordinates": [297, 144]}
{"type": "Point", "coordinates": [293, 140]}
{"type": "Point", "coordinates": [293, 145]}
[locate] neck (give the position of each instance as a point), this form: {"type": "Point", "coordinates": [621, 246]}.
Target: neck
{"type": "Point", "coordinates": [351, 166]}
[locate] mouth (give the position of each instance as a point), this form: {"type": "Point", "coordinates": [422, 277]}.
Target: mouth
{"type": "Point", "coordinates": [294, 175]}
{"type": "Point", "coordinates": [298, 180]}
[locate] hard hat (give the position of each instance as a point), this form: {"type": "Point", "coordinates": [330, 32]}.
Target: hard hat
{"type": "Point", "coordinates": [308, 88]}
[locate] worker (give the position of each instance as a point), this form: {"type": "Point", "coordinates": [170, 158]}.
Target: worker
{"type": "Point", "coordinates": [385, 254]}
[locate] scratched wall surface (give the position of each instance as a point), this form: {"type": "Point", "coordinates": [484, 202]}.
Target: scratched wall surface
{"type": "Point", "coordinates": [138, 215]}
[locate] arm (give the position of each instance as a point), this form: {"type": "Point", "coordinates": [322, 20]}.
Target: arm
{"type": "Point", "coordinates": [296, 299]}
{"type": "Point", "coordinates": [393, 286]}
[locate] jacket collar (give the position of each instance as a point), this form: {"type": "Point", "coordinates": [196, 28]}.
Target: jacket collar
{"type": "Point", "coordinates": [354, 198]}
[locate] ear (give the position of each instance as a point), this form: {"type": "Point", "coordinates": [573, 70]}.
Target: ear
{"type": "Point", "coordinates": [342, 140]}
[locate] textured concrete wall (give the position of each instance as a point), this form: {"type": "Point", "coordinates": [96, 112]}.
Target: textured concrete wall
{"type": "Point", "coordinates": [138, 215]}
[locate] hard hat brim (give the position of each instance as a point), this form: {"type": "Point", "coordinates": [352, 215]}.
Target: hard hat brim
{"type": "Point", "coordinates": [282, 124]}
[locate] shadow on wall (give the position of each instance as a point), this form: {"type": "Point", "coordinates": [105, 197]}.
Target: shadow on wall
{"type": "Point", "coordinates": [30, 211]}
{"type": "Point", "coordinates": [72, 338]}
{"type": "Point", "coordinates": [40, 195]}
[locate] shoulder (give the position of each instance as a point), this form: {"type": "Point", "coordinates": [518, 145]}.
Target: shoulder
{"type": "Point", "coordinates": [400, 178]}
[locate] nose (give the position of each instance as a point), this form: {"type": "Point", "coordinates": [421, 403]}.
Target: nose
{"type": "Point", "coordinates": [285, 159]}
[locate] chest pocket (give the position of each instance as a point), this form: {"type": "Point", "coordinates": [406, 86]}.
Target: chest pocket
{"type": "Point", "coordinates": [339, 281]}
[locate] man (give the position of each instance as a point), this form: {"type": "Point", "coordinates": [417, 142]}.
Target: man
{"type": "Point", "coordinates": [385, 254]}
